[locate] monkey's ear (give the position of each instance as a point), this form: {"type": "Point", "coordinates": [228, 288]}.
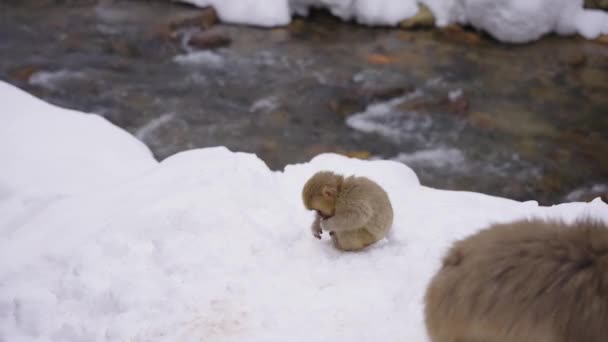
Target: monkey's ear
{"type": "Point", "coordinates": [329, 191]}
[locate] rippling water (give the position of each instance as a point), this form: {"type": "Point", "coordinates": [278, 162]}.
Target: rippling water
{"type": "Point", "coordinates": [467, 113]}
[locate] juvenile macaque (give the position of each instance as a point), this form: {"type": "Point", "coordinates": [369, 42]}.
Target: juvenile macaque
{"type": "Point", "coordinates": [527, 281]}
{"type": "Point", "coordinates": [354, 210]}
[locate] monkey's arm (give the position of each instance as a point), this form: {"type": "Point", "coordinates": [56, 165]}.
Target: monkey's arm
{"type": "Point", "coordinates": [352, 217]}
{"type": "Point", "coordinates": [316, 227]}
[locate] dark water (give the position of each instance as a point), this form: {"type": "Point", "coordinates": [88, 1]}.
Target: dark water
{"type": "Point", "coordinates": [467, 113]}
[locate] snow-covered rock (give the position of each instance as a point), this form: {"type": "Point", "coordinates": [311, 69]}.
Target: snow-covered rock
{"type": "Point", "coordinates": [99, 242]}
{"type": "Point", "coordinates": [253, 12]}
{"type": "Point", "coordinates": [515, 21]}
{"type": "Point", "coordinates": [519, 21]}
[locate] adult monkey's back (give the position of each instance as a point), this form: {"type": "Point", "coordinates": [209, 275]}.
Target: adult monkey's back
{"type": "Point", "coordinates": [527, 281]}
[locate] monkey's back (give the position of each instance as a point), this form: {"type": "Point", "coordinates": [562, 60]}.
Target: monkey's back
{"type": "Point", "coordinates": [528, 281]}
{"type": "Point", "coordinates": [364, 189]}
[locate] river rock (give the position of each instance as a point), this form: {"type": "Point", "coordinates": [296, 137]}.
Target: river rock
{"type": "Point", "coordinates": [602, 39]}
{"type": "Point", "coordinates": [424, 18]}
{"type": "Point", "coordinates": [209, 40]}
{"type": "Point", "coordinates": [598, 4]}
{"type": "Point", "coordinates": [23, 73]}
{"type": "Point", "coordinates": [204, 19]}
{"type": "Point", "coordinates": [456, 33]}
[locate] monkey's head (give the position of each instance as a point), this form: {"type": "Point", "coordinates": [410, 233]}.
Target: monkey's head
{"type": "Point", "coordinates": [321, 192]}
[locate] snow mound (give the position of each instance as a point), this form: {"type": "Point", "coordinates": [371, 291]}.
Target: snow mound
{"type": "Point", "coordinates": [520, 21]}
{"type": "Point", "coordinates": [208, 244]}
{"type": "Point", "coordinates": [252, 12]}
{"type": "Point", "coordinates": [49, 153]}
{"type": "Point", "coordinates": [515, 21]}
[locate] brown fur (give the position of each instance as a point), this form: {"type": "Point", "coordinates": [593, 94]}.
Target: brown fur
{"type": "Point", "coordinates": [355, 210]}
{"type": "Point", "coordinates": [527, 281]}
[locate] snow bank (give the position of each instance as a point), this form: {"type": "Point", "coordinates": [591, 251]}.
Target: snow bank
{"type": "Point", "coordinates": [515, 21]}
{"type": "Point", "coordinates": [208, 244]}
{"type": "Point", "coordinates": [49, 152]}
{"type": "Point", "coordinates": [253, 12]}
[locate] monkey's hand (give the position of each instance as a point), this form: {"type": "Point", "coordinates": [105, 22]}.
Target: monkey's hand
{"type": "Point", "coordinates": [316, 227]}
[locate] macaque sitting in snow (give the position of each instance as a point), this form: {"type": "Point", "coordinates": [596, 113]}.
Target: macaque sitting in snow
{"type": "Point", "coordinates": [527, 281]}
{"type": "Point", "coordinates": [354, 210]}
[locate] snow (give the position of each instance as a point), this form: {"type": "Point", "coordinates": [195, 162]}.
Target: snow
{"type": "Point", "coordinates": [208, 244]}
{"type": "Point", "coordinates": [514, 21]}
{"type": "Point", "coordinates": [587, 23]}
{"type": "Point", "coordinates": [41, 157]}
{"type": "Point", "coordinates": [253, 12]}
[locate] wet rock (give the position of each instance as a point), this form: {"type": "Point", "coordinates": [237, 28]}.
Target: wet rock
{"type": "Point", "coordinates": [407, 36]}
{"type": "Point", "coordinates": [356, 99]}
{"type": "Point", "coordinates": [575, 59]}
{"type": "Point", "coordinates": [424, 18]}
{"type": "Point", "coordinates": [74, 42]}
{"type": "Point", "coordinates": [23, 74]}
{"type": "Point", "coordinates": [380, 59]}
{"type": "Point", "coordinates": [592, 79]}
{"type": "Point", "coordinates": [163, 32]}
{"type": "Point", "coordinates": [268, 147]}
{"type": "Point", "coordinates": [297, 26]}
{"type": "Point", "coordinates": [458, 34]}
{"type": "Point", "coordinates": [47, 3]}
{"type": "Point", "coordinates": [598, 4]}
{"type": "Point", "coordinates": [279, 35]}
{"type": "Point", "coordinates": [550, 182]}
{"type": "Point", "coordinates": [358, 154]}
{"type": "Point", "coordinates": [123, 48]}
{"type": "Point", "coordinates": [383, 93]}
{"type": "Point", "coordinates": [316, 149]}
{"type": "Point", "coordinates": [204, 19]}
{"type": "Point", "coordinates": [482, 121]}
{"type": "Point", "coordinates": [279, 118]}
{"type": "Point", "coordinates": [602, 39]}
{"type": "Point", "coordinates": [120, 66]}
{"type": "Point", "coordinates": [346, 106]}
{"type": "Point", "coordinates": [457, 103]}
{"type": "Point", "coordinates": [209, 40]}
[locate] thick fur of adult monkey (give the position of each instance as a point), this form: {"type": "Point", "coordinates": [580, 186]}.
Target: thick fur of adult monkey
{"type": "Point", "coordinates": [527, 281]}
{"type": "Point", "coordinates": [354, 210]}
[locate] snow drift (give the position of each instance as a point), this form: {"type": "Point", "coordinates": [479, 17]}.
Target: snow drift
{"type": "Point", "coordinates": [515, 21]}
{"type": "Point", "coordinates": [99, 242]}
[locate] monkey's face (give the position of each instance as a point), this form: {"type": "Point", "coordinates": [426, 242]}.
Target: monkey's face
{"type": "Point", "coordinates": [320, 193]}
{"type": "Point", "coordinates": [324, 206]}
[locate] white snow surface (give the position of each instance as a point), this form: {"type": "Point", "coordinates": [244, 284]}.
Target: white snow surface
{"type": "Point", "coordinates": [515, 21]}
{"type": "Point", "coordinates": [99, 242]}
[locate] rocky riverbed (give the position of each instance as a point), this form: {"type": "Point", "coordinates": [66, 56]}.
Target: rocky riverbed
{"type": "Point", "coordinates": [466, 112]}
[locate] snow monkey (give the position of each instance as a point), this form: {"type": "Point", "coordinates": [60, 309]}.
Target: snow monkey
{"type": "Point", "coordinates": [354, 210]}
{"type": "Point", "coordinates": [526, 281]}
